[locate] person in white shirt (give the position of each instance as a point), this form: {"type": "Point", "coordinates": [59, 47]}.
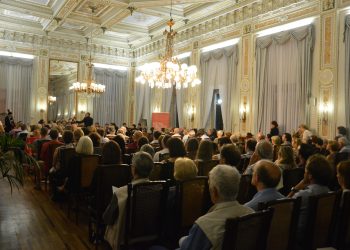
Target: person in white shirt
{"type": "Point", "coordinates": [165, 149]}
{"type": "Point", "coordinates": [305, 133]}
{"type": "Point", "coordinates": [344, 145]}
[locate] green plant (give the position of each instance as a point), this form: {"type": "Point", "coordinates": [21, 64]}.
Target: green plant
{"type": "Point", "coordinates": [12, 161]}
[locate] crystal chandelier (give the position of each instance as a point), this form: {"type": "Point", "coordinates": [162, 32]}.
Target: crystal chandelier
{"type": "Point", "coordinates": [89, 86]}
{"type": "Point", "coordinates": [168, 72]}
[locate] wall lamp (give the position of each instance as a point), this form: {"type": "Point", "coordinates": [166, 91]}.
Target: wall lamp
{"type": "Point", "coordinates": [243, 112]}
{"type": "Point", "coordinates": [191, 111]}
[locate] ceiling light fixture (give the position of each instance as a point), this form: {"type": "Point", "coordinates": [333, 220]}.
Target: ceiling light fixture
{"type": "Point", "coordinates": [168, 72]}
{"type": "Point", "coordinates": [89, 86]}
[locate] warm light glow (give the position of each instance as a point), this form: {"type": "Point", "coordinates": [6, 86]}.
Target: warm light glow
{"type": "Point", "coordinates": [285, 27]}
{"type": "Point", "coordinates": [183, 55]}
{"type": "Point", "coordinates": [219, 101]}
{"type": "Point", "coordinates": [156, 109]}
{"type": "Point", "coordinates": [190, 110]}
{"type": "Point", "coordinates": [14, 54]}
{"type": "Point", "coordinates": [326, 107]}
{"type": "Point", "coordinates": [220, 45]}
{"type": "Point", "coordinates": [51, 99]}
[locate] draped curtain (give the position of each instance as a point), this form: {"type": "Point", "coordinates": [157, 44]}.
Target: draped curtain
{"type": "Point", "coordinates": [143, 102]}
{"type": "Point", "coordinates": [16, 77]}
{"type": "Point", "coordinates": [180, 98]}
{"type": "Point", "coordinates": [111, 106]}
{"type": "Point", "coordinates": [347, 71]}
{"type": "Point", "coordinates": [283, 79]}
{"type": "Point", "coordinates": [218, 70]}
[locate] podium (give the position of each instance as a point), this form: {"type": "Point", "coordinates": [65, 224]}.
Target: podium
{"type": "Point", "coordinates": [160, 120]}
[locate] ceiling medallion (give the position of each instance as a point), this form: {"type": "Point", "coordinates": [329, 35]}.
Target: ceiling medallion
{"type": "Point", "coordinates": [168, 72]}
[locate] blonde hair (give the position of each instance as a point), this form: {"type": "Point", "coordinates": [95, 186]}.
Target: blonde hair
{"type": "Point", "coordinates": [276, 140]}
{"type": "Point", "coordinates": [184, 169]}
{"type": "Point", "coordinates": [85, 146]}
{"type": "Point", "coordinates": [77, 134]}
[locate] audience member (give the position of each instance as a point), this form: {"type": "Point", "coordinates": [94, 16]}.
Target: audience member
{"type": "Point", "coordinates": [266, 176]}
{"type": "Point", "coordinates": [176, 149]}
{"type": "Point", "coordinates": [148, 149]}
{"type": "Point", "coordinates": [184, 169]}
{"type": "Point", "coordinates": [250, 145]}
{"type": "Point", "coordinates": [230, 155]}
{"type": "Point", "coordinates": [111, 153]}
{"type": "Point", "coordinates": [208, 230]}
{"type": "Point", "coordinates": [205, 150]}
{"type": "Point", "coordinates": [102, 133]}
{"type": "Point", "coordinates": [286, 139]}
{"type": "Point", "coordinates": [142, 141]}
{"type": "Point", "coordinates": [156, 135]}
{"type": "Point", "coordinates": [333, 148]}
{"type": "Point", "coordinates": [304, 152]}
{"type": "Point", "coordinates": [96, 142]}
{"type": "Point", "coordinates": [45, 155]}
{"type": "Point", "coordinates": [274, 131]}
{"type": "Point", "coordinates": [192, 145]}
{"type": "Point", "coordinates": [343, 175]}
{"type": "Point", "coordinates": [263, 151]}
{"type": "Point", "coordinates": [286, 159]}
{"type": "Point", "coordinates": [344, 145]}
{"type": "Point", "coordinates": [121, 142]}
{"type": "Point", "coordinates": [305, 133]}
{"type": "Point", "coordinates": [165, 149]}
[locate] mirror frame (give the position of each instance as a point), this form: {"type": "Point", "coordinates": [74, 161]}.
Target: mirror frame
{"type": "Point", "coordinates": [48, 82]}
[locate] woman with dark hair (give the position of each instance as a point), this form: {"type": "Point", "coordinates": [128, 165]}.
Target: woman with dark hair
{"type": "Point", "coordinates": [142, 141]}
{"type": "Point", "coordinates": [111, 153]}
{"type": "Point", "coordinates": [274, 129]}
{"type": "Point", "coordinates": [96, 141]}
{"type": "Point", "coordinates": [176, 149]}
{"type": "Point", "coordinates": [192, 147]}
{"type": "Point", "coordinates": [121, 142]}
{"type": "Point", "coordinates": [205, 151]}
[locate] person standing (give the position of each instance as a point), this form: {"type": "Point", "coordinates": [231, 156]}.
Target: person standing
{"type": "Point", "coordinates": [88, 120]}
{"type": "Point", "coordinates": [9, 122]}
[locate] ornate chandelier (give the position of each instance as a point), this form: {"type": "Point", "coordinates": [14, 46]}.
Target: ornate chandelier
{"type": "Point", "coordinates": [168, 72]}
{"type": "Point", "coordinates": [89, 86]}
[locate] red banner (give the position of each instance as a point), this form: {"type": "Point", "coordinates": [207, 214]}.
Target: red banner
{"type": "Point", "coordinates": [160, 120]}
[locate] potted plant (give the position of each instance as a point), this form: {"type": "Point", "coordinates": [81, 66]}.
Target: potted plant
{"type": "Point", "coordinates": [12, 160]}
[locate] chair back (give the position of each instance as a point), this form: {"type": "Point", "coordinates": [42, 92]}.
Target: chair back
{"type": "Point", "coordinates": [204, 167]}
{"type": "Point", "coordinates": [192, 199]}
{"type": "Point", "coordinates": [247, 232]}
{"type": "Point", "coordinates": [321, 219]}
{"type": "Point", "coordinates": [88, 166]}
{"type": "Point", "coordinates": [66, 154]}
{"type": "Point", "coordinates": [145, 211]}
{"type": "Point", "coordinates": [162, 171]}
{"type": "Point", "coordinates": [246, 189]}
{"type": "Point", "coordinates": [39, 145]}
{"type": "Point", "coordinates": [343, 156]}
{"type": "Point", "coordinates": [283, 224]}
{"type": "Point", "coordinates": [50, 152]}
{"type": "Point", "coordinates": [291, 177]}
{"type": "Point", "coordinates": [343, 233]}
{"type": "Point", "coordinates": [116, 175]}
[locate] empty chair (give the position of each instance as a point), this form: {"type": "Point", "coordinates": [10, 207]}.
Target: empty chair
{"type": "Point", "coordinates": [291, 177]}
{"type": "Point", "coordinates": [246, 189]}
{"type": "Point", "coordinates": [192, 201]}
{"type": "Point", "coordinates": [145, 213]}
{"type": "Point", "coordinates": [204, 167]}
{"type": "Point", "coordinates": [284, 223]}
{"type": "Point", "coordinates": [105, 177]}
{"type": "Point", "coordinates": [247, 232]}
{"type": "Point", "coordinates": [321, 219]}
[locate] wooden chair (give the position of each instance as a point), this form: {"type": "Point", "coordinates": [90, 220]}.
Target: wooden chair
{"type": "Point", "coordinates": [163, 171]}
{"type": "Point", "coordinates": [322, 210]}
{"type": "Point", "coordinates": [246, 189]}
{"type": "Point", "coordinates": [247, 232]}
{"type": "Point", "coordinates": [145, 213]}
{"type": "Point", "coordinates": [80, 180]}
{"type": "Point", "coordinates": [66, 154]}
{"type": "Point", "coordinates": [192, 201]}
{"type": "Point", "coordinates": [284, 223]}
{"type": "Point", "coordinates": [204, 167]}
{"type": "Point", "coordinates": [49, 160]}
{"type": "Point", "coordinates": [105, 177]}
{"type": "Point", "coordinates": [291, 177]}
{"type": "Point", "coordinates": [343, 226]}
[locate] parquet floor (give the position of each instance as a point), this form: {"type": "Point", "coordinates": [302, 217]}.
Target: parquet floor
{"type": "Point", "coordinates": [30, 220]}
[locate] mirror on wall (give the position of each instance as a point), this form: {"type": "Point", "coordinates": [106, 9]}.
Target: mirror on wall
{"type": "Point", "coordinates": [61, 101]}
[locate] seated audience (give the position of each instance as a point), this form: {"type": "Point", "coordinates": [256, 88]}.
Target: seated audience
{"type": "Point", "coordinates": [285, 159]}
{"type": "Point", "coordinates": [266, 176]}
{"type": "Point", "coordinates": [135, 137]}
{"type": "Point", "coordinates": [250, 145]}
{"type": "Point", "coordinates": [176, 149]}
{"type": "Point", "coordinates": [221, 142]}
{"type": "Point", "coordinates": [333, 148]}
{"type": "Point", "coordinates": [276, 142]}
{"type": "Point", "coordinates": [184, 169]}
{"type": "Point", "coordinates": [45, 154]}
{"type": "Point", "coordinates": [205, 150]}
{"type": "Point", "coordinates": [343, 175]}
{"type": "Point", "coordinates": [165, 149]}
{"type": "Point", "coordinates": [305, 133]}
{"type": "Point", "coordinates": [24, 130]}
{"type": "Point", "coordinates": [304, 152]}
{"type": "Point", "coordinates": [68, 143]}
{"type": "Point", "coordinates": [141, 167]}
{"type": "Point", "coordinates": [148, 149]}
{"type": "Point", "coordinates": [77, 134]}
{"type": "Point", "coordinates": [96, 142]}
{"type": "Point", "coordinates": [102, 133]}
{"type": "Point", "coordinates": [263, 151]}
{"type": "Point", "coordinates": [341, 132]}
{"type": "Point", "coordinates": [230, 155]}
{"type": "Point", "coordinates": [142, 141]}
{"type": "Point", "coordinates": [344, 145]}
{"type": "Point", "coordinates": [192, 145]}
{"type": "Point", "coordinates": [208, 230]}
{"type": "Point", "coordinates": [318, 174]}
{"type": "Point", "coordinates": [155, 142]}
{"type": "Point", "coordinates": [111, 153]}
{"type": "Point", "coordinates": [286, 139]}
{"type": "Point", "coordinates": [121, 142]}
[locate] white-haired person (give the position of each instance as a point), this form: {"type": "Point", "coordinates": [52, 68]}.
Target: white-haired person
{"type": "Point", "coordinates": [184, 169]}
{"type": "Point", "coordinates": [344, 145]}
{"type": "Point", "coordinates": [208, 230]}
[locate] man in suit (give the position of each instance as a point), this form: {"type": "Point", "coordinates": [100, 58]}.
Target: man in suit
{"type": "Point", "coordinates": [88, 120]}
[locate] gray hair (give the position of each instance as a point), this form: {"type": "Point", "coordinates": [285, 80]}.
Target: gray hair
{"type": "Point", "coordinates": [343, 140]}
{"type": "Point", "coordinates": [226, 180]}
{"type": "Point", "coordinates": [143, 164]}
{"type": "Point", "coordinates": [148, 149]}
{"type": "Point", "coordinates": [85, 146]}
{"type": "Point", "coordinates": [265, 150]}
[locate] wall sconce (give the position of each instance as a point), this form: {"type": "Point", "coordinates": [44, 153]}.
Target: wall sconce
{"type": "Point", "coordinates": [219, 101]}
{"type": "Point", "coordinates": [325, 108]}
{"type": "Point", "coordinates": [243, 112]}
{"type": "Point", "coordinates": [156, 109]}
{"type": "Point", "coordinates": [191, 111]}
{"type": "Point", "coordinates": [51, 99]}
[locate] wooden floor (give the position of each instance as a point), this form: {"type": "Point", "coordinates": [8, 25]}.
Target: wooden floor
{"type": "Point", "coordinates": [30, 220]}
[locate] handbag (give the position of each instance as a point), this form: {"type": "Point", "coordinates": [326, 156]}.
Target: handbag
{"type": "Point", "coordinates": [111, 213]}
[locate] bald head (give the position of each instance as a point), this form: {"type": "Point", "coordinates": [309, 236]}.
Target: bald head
{"type": "Point", "coordinates": [266, 173]}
